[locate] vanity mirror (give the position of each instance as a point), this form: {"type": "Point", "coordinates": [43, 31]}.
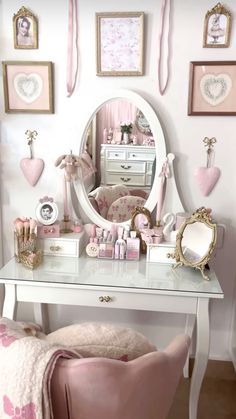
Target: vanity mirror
{"type": "Point", "coordinates": [196, 240]}
{"type": "Point", "coordinates": [141, 219]}
{"type": "Point", "coordinates": [127, 166]}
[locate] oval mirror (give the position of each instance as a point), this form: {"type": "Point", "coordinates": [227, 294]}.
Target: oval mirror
{"type": "Point", "coordinates": [116, 161]}
{"type": "Point", "coordinates": [196, 240]}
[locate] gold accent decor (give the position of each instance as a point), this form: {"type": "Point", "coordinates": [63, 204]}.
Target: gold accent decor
{"type": "Point", "coordinates": [203, 217]}
{"type": "Point", "coordinates": [217, 10]}
{"type": "Point", "coordinates": [138, 211]}
{"type": "Point", "coordinates": [25, 13]}
{"type": "Point", "coordinates": [26, 251]}
{"type": "Point", "coordinates": [105, 299]}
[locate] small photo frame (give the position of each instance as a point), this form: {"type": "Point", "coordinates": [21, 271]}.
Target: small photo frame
{"type": "Point", "coordinates": [46, 211]}
{"type": "Point", "coordinates": [217, 27]}
{"type": "Point", "coordinates": [25, 29]}
{"type": "Point", "coordinates": [120, 43]}
{"type": "Point", "coordinates": [212, 88]}
{"type": "Point", "coordinates": [28, 86]}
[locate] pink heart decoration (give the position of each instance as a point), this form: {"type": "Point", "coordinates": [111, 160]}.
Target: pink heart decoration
{"type": "Point", "coordinates": [32, 169]}
{"type": "Point", "coordinates": [206, 178]}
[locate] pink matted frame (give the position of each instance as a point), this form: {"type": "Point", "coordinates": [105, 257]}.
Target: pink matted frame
{"type": "Point", "coordinates": [28, 86]}
{"type": "Point", "coordinates": [212, 88]}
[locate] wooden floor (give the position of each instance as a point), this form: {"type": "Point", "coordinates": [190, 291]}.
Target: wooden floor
{"type": "Point", "coordinates": [217, 397]}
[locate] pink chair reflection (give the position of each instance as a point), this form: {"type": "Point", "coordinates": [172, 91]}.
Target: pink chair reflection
{"type": "Point", "coordinates": [101, 388]}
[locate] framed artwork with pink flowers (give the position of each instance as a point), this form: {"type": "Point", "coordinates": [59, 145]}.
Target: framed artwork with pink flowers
{"type": "Point", "coordinates": [120, 43]}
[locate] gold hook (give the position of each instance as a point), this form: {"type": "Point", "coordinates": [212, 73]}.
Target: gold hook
{"type": "Point", "coordinates": [209, 142]}
{"type": "Point", "coordinates": [31, 135]}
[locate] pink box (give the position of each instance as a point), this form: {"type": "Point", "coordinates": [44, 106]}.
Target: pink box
{"type": "Point", "coordinates": [52, 230]}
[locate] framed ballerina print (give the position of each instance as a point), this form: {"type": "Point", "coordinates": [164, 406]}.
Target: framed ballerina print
{"type": "Point", "coordinates": [212, 88]}
{"type": "Point", "coordinates": [217, 27]}
{"type": "Point", "coordinates": [28, 86]}
{"type": "Point", "coordinates": [120, 43]}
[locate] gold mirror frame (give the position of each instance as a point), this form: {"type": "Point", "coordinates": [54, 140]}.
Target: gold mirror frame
{"type": "Point", "coordinates": [147, 214]}
{"type": "Point", "coordinates": [219, 9]}
{"type": "Point", "coordinates": [201, 215]}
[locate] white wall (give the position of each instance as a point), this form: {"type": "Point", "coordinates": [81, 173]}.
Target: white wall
{"type": "Point", "coordinates": [60, 132]}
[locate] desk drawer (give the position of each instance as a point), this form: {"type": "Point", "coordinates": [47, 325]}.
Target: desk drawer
{"type": "Point", "coordinates": [140, 155]}
{"type": "Point", "coordinates": [103, 298]}
{"type": "Point", "coordinates": [126, 179]}
{"type": "Point", "coordinates": [126, 167]}
{"type": "Point", "coordinates": [71, 245]}
{"type": "Point", "coordinates": [116, 155]}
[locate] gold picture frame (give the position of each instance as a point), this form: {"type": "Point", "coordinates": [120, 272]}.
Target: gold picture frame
{"type": "Point", "coordinates": [28, 86]}
{"type": "Point", "coordinates": [217, 26]}
{"type": "Point", "coordinates": [120, 43]}
{"type": "Point", "coordinates": [25, 29]}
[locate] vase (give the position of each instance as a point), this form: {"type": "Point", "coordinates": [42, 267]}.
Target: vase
{"type": "Point", "coordinates": [126, 138]}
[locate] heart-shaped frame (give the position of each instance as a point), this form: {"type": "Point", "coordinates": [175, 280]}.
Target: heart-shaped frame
{"type": "Point", "coordinates": [212, 88]}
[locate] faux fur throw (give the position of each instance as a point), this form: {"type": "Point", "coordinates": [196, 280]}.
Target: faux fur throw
{"type": "Point", "coordinates": [26, 367]}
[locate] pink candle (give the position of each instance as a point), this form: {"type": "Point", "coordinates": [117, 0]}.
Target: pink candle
{"type": "Point", "coordinates": [66, 209]}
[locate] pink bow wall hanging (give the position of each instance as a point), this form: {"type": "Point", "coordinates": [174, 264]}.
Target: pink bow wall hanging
{"type": "Point", "coordinates": [31, 167]}
{"type": "Point", "coordinates": [208, 176]}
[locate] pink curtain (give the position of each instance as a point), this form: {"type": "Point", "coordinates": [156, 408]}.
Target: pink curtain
{"type": "Point", "coordinates": [110, 116]}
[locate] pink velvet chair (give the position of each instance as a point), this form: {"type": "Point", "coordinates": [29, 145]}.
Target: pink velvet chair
{"type": "Point", "coordinates": [101, 388]}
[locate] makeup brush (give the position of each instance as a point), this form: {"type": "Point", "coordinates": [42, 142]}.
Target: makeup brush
{"type": "Point", "coordinates": [26, 230]}
{"type": "Point", "coordinates": [32, 224]}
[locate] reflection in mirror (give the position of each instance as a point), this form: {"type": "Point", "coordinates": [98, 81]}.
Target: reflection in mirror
{"type": "Point", "coordinates": [141, 219]}
{"type": "Point", "coordinates": [118, 163]}
{"type": "Point", "coordinates": [142, 124]}
{"type": "Point", "coordinates": [196, 240]}
{"type": "Point", "coordinates": [120, 144]}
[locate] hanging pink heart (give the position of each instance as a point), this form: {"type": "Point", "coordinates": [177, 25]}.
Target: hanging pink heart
{"type": "Point", "coordinates": [32, 169]}
{"type": "Point", "coordinates": [206, 178]}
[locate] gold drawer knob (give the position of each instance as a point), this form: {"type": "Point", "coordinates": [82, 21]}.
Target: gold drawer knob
{"type": "Point", "coordinates": [55, 248]}
{"type": "Point", "coordinates": [105, 299]}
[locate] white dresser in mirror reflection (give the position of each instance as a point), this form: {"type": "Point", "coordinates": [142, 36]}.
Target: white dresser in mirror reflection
{"type": "Point", "coordinates": [127, 164]}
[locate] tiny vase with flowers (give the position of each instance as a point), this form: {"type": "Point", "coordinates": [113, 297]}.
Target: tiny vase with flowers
{"type": "Point", "coordinates": [126, 127]}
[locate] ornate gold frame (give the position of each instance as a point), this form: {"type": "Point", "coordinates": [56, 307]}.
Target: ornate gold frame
{"type": "Point", "coordinates": [200, 215]}
{"type": "Point", "coordinates": [23, 12]}
{"type": "Point", "coordinates": [146, 212]}
{"type": "Point", "coordinates": [219, 9]}
{"type": "Point", "coordinates": [112, 15]}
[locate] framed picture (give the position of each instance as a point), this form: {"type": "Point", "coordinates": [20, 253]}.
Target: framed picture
{"type": "Point", "coordinates": [212, 88]}
{"type": "Point", "coordinates": [25, 29]}
{"type": "Point", "coordinates": [217, 27]}
{"type": "Point", "coordinates": [46, 211]}
{"type": "Point", "coordinates": [28, 86]}
{"type": "Point", "coordinates": [120, 43]}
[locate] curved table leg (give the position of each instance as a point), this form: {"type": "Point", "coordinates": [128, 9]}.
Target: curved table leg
{"type": "Point", "coordinates": [189, 326]}
{"type": "Point", "coordinates": [201, 357]}
{"type": "Point", "coordinates": [41, 316]}
{"type": "Point", "coordinates": [10, 303]}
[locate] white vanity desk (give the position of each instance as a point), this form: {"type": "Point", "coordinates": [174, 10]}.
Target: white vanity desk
{"type": "Point", "coordinates": [127, 284]}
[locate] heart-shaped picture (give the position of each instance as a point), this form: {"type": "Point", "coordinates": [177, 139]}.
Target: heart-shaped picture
{"type": "Point", "coordinates": [32, 169]}
{"type": "Point", "coordinates": [215, 88]}
{"type": "Point", "coordinates": [28, 86]}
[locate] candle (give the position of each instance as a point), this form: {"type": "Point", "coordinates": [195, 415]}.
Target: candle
{"type": "Point", "coordinates": [66, 209]}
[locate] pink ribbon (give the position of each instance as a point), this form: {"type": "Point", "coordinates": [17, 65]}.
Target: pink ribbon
{"type": "Point", "coordinates": [165, 170]}
{"type": "Point", "coordinates": [163, 14]}
{"type": "Point", "coordinates": [72, 71]}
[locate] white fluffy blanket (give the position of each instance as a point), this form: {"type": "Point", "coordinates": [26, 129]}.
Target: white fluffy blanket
{"type": "Point", "coordinates": [26, 367]}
